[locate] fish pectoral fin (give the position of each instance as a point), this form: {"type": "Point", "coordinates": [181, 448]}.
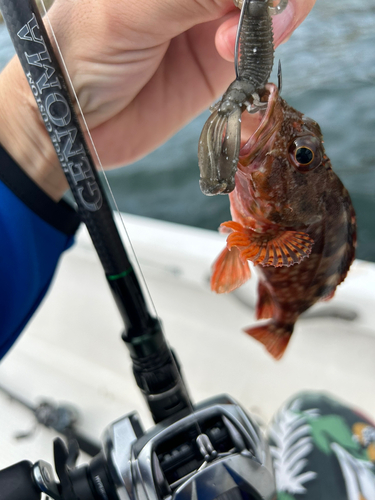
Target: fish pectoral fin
{"type": "Point", "coordinates": [272, 248]}
{"type": "Point", "coordinates": [240, 236]}
{"type": "Point", "coordinates": [232, 225]}
{"type": "Point", "coordinates": [230, 271]}
{"type": "Point", "coordinates": [275, 337]}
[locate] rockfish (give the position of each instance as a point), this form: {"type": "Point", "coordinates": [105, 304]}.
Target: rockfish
{"type": "Point", "coordinates": [292, 217]}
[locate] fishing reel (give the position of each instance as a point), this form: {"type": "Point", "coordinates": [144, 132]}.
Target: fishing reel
{"type": "Point", "coordinates": [215, 453]}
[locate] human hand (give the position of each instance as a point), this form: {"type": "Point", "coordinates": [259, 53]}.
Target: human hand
{"type": "Point", "coordinates": [141, 70]}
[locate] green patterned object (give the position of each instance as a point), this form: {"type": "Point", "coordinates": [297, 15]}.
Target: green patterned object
{"type": "Point", "coordinates": [322, 450]}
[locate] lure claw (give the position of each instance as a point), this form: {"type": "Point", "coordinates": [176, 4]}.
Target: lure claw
{"type": "Point", "coordinates": [256, 105]}
{"type": "Point", "coordinates": [218, 151]}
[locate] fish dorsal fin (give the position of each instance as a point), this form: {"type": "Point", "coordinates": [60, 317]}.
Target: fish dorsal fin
{"type": "Point", "coordinates": [273, 247]}
{"type": "Point", "coordinates": [230, 271]}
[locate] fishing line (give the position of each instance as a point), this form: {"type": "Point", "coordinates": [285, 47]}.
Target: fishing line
{"type": "Point", "coordinates": [238, 35]}
{"type": "Point", "coordinates": [67, 74]}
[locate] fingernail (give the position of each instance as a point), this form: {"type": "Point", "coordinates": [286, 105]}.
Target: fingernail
{"type": "Point", "coordinates": [283, 24]}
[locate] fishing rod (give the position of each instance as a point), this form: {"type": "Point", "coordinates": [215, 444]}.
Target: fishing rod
{"type": "Point", "coordinates": [213, 450]}
{"type": "Point", "coordinates": [154, 366]}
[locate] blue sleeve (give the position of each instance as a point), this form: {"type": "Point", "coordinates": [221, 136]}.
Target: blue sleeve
{"type": "Point", "coordinates": [30, 248]}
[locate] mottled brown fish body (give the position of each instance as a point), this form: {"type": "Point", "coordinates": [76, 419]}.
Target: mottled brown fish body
{"type": "Point", "coordinates": [292, 217]}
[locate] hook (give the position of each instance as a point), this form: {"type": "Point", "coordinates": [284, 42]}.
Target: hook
{"type": "Point", "coordinates": [279, 77]}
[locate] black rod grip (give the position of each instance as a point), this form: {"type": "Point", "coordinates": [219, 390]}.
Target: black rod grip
{"type": "Point", "coordinates": [16, 482]}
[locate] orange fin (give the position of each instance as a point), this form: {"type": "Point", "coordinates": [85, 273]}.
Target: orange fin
{"type": "Point", "coordinates": [265, 305]}
{"type": "Point", "coordinates": [229, 271]}
{"type": "Point", "coordinates": [273, 336]}
{"type": "Point", "coordinates": [270, 248]}
{"type": "Point", "coordinates": [229, 226]}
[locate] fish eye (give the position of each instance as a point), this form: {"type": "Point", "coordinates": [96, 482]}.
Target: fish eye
{"type": "Point", "coordinates": [305, 153]}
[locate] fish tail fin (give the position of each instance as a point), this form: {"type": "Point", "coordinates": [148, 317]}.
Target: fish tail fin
{"type": "Point", "coordinates": [230, 271]}
{"type": "Point", "coordinates": [273, 335]}
{"type": "Point", "coordinates": [265, 305]}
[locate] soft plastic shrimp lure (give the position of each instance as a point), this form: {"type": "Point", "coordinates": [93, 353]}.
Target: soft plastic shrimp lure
{"type": "Point", "coordinates": [219, 143]}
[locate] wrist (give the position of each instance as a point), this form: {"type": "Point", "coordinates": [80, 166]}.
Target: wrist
{"type": "Point", "coordinates": [23, 135]}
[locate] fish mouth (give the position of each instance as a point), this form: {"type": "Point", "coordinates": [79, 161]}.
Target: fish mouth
{"type": "Point", "coordinates": [269, 124]}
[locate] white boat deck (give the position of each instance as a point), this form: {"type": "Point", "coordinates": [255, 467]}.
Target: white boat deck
{"type": "Point", "coordinates": [72, 349]}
